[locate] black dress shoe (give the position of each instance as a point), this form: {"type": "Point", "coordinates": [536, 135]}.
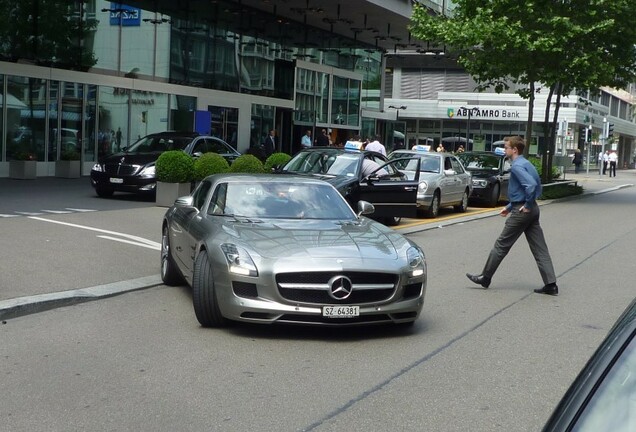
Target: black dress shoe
{"type": "Point", "coordinates": [479, 279]}
{"type": "Point", "coordinates": [550, 289]}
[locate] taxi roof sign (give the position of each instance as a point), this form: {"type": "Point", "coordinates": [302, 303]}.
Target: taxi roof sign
{"type": "Point", "coordinates": [353, 146]}
{"type": "Point", "coordinates": [422, 148]}
{"type": "Point", "coordinates": [500, 151]}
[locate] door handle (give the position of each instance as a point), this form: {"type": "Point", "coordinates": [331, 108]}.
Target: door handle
{"type": "Point", "coordinates": [410, 188]}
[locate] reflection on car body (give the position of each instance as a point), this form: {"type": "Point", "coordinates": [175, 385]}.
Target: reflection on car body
{"type": "Point", "coordinates": [603, 395]}
{"type": "Point", "coordinates": [360, 175]}
{"type": "Point", "coordinates": [443, 181]}
{"type": "Point", "coordinates": [133, 169]}
{"type": "Point", "coordinates": [490, 172]}
{"type": "Point", "coordinates": [288, 249]}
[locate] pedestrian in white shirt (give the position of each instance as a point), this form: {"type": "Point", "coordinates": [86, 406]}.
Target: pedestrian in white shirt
{"type": "Point", "coordinates": [376, 145]}
{"type": "Point", "coordinates": [605, 161]}
{"type": "Point", "coordinates": [613, 160]}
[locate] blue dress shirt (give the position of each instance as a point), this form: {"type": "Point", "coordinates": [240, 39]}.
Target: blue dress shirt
{"type": "Point", "coordinates": [525, 184]}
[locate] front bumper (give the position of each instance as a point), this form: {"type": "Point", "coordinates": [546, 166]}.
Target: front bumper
{"type": "Point", "coordinates": [134, 184]}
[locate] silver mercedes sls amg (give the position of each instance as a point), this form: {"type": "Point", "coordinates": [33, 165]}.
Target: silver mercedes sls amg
{"type": "Point", "coordinates": [287, 249]}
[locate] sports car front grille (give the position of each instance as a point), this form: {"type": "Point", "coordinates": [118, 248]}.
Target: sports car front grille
{"type": "Point", "coordinates": [313, 287]}
{"type": "Point", "coordinates": [121, 170]}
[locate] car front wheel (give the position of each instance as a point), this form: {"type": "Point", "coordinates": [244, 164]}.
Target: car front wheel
{"type": "Point", "coordinates": [169, 273]}
{"type": "Point", "coordinates": [204, 300]}
{"type": "Point", "coordinates": [433, 209]}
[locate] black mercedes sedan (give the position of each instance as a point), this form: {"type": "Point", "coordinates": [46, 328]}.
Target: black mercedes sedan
{"type": "Point", "coordinates": [133, 169]}
{"type": "Point", "coordinates": [361, 175]}
{"type": "Point", "coordinates": [490, 172]}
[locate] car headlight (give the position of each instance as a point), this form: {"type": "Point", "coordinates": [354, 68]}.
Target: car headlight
{"type": "Point", "coordinates": [97, 167]}
{"type": "Point", "coordinates": [421, 188]}
{"type": "Point", "coordinates": [148, 171]}
{"type": "Point", "coordinates": [238, 260]}
{"type": "Point", "coordinates": [480, 183]}
{"type": "Point", "coordinates": [415, 258]}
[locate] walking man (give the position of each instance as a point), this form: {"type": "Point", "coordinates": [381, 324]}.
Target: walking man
{"type": "Point", "coordinates": [523, 190]}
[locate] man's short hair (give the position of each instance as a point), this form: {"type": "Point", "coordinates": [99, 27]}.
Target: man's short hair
{"type": "Point", "coordinates": [517, 142]}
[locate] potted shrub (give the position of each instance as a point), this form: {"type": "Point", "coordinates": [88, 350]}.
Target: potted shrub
{"type": "Point", "coordinates": [174, 170]}
{"type": "Point", "coordinates": [23, 166]}
{"type": "Point", "coordinates": [247, 164]}
{"type": "Point", "coordinates": [276, 160]}
{"type": "Point", "coordinates": [69, 164]}
{"type": "Point", "coordinates": [208, 164]}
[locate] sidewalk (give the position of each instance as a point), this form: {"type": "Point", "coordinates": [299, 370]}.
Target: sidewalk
{"type": "Point", "coordinates": [591, 182]}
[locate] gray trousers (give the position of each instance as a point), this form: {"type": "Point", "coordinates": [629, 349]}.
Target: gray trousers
{"type": "Point", "coordinates": [518, 223]}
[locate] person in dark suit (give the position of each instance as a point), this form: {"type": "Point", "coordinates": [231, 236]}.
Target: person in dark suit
{"type": "Point", "coordinates": [523, 190]}
{"type": "Point", "coordinates": [270, 143]}
{"type": "Point", "coordinates": [323, 139]}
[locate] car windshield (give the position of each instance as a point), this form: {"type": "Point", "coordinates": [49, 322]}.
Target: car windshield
{"type": "Point", "coordinates": [280, 200]}
{"type": "Point", "coordinates": [327, 162]}
{"type": "Point", "coordinates": [159, 143]}
{"type": "Point", "coordinates": [428, 163]}
{"type": "Point", "coordinates": [473, 162]}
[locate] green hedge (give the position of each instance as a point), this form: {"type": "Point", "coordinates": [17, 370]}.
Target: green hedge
{"type": "Point", "coordinates": [174, 166]}
{"type": "Point", "coordinates": [537, 164]}
{"type": "Point", "coordinates": [208, 164]}
{"type": "Point", "coordinates": [276, 159]}
{"type": "Point", "coordinates": [247, 164]}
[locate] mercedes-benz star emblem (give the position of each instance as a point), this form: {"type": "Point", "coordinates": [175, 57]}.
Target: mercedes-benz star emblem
{"type": "Point", "coordinates": [340, 287]}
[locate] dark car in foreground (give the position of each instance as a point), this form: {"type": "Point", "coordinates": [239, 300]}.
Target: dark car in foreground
{"type": "Point", "coordinates": [603, 395]}
{"type": "Point", "coordinates": [360, 175]}
{"type": "Point", "coordinates": [286, 249]}
{"type": "Point", "coordinates": [490, 172]}
{"type": "Point", "coordinates": [133, 169]}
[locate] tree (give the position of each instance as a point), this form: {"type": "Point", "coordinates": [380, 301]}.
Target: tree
{"type": "Point", "coordinates": [560, 45]}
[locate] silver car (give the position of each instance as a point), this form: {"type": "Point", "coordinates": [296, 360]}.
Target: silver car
{"type": "Point", "coordinates": [288, 249]}
{"type": "Point", "coordinates": [443, 180]}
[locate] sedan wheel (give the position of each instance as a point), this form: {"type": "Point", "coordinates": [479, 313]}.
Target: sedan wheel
{"type": "Point", "coordinates": [433, 209]}
{"type": "Point", "coordinates": [104, 191]}
{"type": "Point", "coordinates": [204, 300]}
{"type": "Point", "coordinates": [169, 273]}
{"type": "Point", "coordinates": [392, 221]}
{"type": "Point", "coordinates": [461, 208]}
{"type": "Point", "coordinates": [494, 196]}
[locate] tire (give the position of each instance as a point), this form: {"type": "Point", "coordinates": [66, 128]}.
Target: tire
{"type": "Point", "coordinates": [170, 274]}
{"type": "Point", "coordinates": [392, 221]}
{"type": "Point", "coordinates": [433, 209]}
{"type": "Point", "coordinates": [494, 196]}
{"type": "Point", "coordinates": [104, 192]}
{"type": "Point", "coordinates": [206, 307]}
{"type": "Point", "coordinates": [463, 205]}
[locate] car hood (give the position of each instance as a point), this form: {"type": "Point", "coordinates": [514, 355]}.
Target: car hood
{"type": "Point", "coordinates": [317, 239]}
{"type": "Point", "coordinates": [131, 158]}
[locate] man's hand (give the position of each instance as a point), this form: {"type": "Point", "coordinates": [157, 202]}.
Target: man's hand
{"type": "Point", "coordinates": [523, 209]}
{"type": "Point", "coordinates": [504, 212]}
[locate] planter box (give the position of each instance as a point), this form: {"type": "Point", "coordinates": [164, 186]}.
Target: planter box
{"type": "Point", "coordinates": [167, 193]}
{"type": "Point", "coordinates": [67, 168]}
{"type": "Point", "coordinates": [25, 170]}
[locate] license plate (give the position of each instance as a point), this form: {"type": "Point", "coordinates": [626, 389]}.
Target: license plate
{"type": "Point", "coordinates": [340, 311]}
{"type": "Point", "coordinates": [116, 180]}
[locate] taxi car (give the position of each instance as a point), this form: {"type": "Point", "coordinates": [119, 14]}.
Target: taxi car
{"type": "Point", "coordinates": [133, 169]}
{"type": "Point", "coordinates": [267, 248]}
{"type": "Point", "coordinates": [443, 181]}
{"type": "Point", "coordinates": [490, 172]}
{"type": "Point", "coordinates": [360, 175]}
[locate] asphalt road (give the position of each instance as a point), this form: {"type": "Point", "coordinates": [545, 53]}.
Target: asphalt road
{"type": "Point", "coordinates": [477, 360]}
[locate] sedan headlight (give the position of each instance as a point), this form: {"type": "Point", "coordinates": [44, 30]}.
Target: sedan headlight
{"type": "Point", "coordinates": [148, 171]}
{"type": "Point", "coordinates": [421, 188]}
{"type": "Point", "coordinates": [97, 167]}
{"type": "Point", "coordinates": [238, 260]}
{"type": "Point", "coordinates": [415, 258]}
{"type": "Point", "coordinates": [480, 183]}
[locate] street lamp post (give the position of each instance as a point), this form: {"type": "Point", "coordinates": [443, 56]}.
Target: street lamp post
{"type": "Point", "coordinates": [469, 110]}
{"type": "Point", "coordinates": [397, 119]}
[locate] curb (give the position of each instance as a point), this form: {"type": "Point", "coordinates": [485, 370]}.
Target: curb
{"type": "Point", "coordinates": [21, 306]}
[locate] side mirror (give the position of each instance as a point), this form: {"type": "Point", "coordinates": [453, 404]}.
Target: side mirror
{"type": "Point", "coordinates": [449, 172]}
{"type": "Point", "coordinates": [197, 154]}
{"type": "Point", "coordinates": [184, 201]}
{"type": "Point", "coordinates": [365, 207]}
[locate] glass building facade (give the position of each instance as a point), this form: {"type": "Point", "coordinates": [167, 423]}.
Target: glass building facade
{"type": "Point", "coordinates": [94, 76]}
